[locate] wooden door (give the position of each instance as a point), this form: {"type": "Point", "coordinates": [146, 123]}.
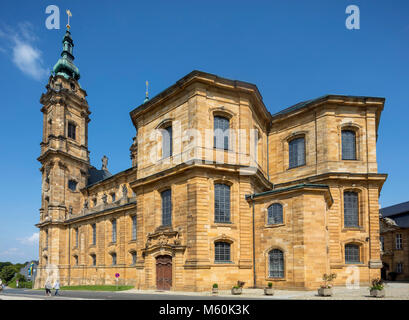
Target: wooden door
{"type": "Point", "coordinates": [164, 272]}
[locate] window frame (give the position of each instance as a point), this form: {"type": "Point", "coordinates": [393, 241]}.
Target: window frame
{"type": "Point", "coordinates": [359, 254]}
{"type": "Point", "coordinates": [114, 230]}
{"type": "Point", "coordinates": [281, 268]}
{"type": "Point", "coordinates": [218, 254]}
{"type": "Point", "coordinates": [71, 187]}
{"type": "Point", "coordinates": [225, 144]}
{"type": "Point", "coordinates": [114, 258]}
{"type": "Point", "coordinates": [134, 227]}
{"type": "Point", "coordinates": [272, 206]}
{"type": "Point", "coordinates": [169, 129]}
{"type": "Point", "coordinates": [72, 130]}
{"type": "Point", "coordinates": [348, 193]}
{"type": "Point", "coordinates": [291, 164]}
{"type": "Point", "coordinates": [166, 207]}
{"type": "Point", "coordinates": [344, 146]}
{"type": "Point", "coordinates": [94, 234]}
{"type": "Point", "coordinates": [398, 241]}
{"type": "Point", "coordinates": [217, 215]}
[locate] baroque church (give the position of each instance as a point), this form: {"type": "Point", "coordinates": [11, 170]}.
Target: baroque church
{"type": "Point", "coordinates": [218, 189]}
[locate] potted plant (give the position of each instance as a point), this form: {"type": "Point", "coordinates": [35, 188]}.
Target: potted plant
{"type": "Point", "coordinates": [377, 289]}
{"type": "Point", "coordinates": [326, 289]}
{"type": "Point", "coordinates": [237, 289]}
{"type": "Point", "coordinates": [215, 288]}
{"type": "Point", "coordinates": [269, 291]}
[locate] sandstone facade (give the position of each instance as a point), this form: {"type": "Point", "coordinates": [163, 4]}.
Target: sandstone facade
{"type": "Point", "coordinates": [311, 237]}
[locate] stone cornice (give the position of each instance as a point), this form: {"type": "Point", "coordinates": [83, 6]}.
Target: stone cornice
{"type": "Point", "coordinates": [208, 79]}
{"type": "Point", "coordinates": [54, 152]}
{"type": "Point", "coordinates": [183, 168]}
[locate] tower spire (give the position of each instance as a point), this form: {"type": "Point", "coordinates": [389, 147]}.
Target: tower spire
{"type": "Point", "coordinates": [65, 65]}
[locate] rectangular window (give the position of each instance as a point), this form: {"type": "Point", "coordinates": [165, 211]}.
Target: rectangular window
{"type": "Point", "coordinates": [71, 130]}
{"type": "Point", "coordinates": [222, 252]}
{"type": "Point", "coordinates": [76, 237]}
{"type": "Point", "coordinates": [167, 142]}
{"type": "Point", "coordinates": [114, 259]}
{"type": "Point", "coordinates": [296, 155]}
{"type": "Point", "coordinates": [94, 260]}
{"type": "Point", "coordinates": [399, 242]}
{"type": "Point", "coordinates": [133, 227]}
{"type": "Point", "coordinates": [166, 208]}
{"type": "Point", "coordinates": [113, 231]}
{"type": "Point", "coordinates": [351, 209]}
{"type": "Point", "coordinates": [221, 203]}
{"type": "Point", "coordinates": [46, 239]}
{"type": "Point", "coordinates": [113, 197]}
{"type": "Point", "coordinates": [348, 145]}
{"type": "Point", "coordinates": [94, 234]}
{"type": "Point", "coordinates": [352, 254]}
{"type": "Point", "coordinates": [221, 128]}
{"type": "Point", "coordinates": [133, 257]}
{"type": "Point", "coordinates": [399, 267]}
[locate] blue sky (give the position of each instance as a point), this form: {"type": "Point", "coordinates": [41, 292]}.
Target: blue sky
{"type": "Point", "coordinates": [292, 50]}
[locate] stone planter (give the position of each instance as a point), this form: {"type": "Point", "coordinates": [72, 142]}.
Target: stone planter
{"type": "Point", "coordinates": [236, 291]}
{"type": "Point", "coordinates": [377, 293]}
{"type": "Point", "coordinates": [215, 290]}
{"type": "Point", "coordinates": [268, 291]}
{"type": "Point", "coordinates": [325, 292]}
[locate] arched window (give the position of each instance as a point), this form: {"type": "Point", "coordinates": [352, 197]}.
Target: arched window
{"type": "Point", "coordinates": [221, 203]}
{"type": "Point", "coordinates": [94, 234]}
{"type": "Point", "coordinates": [76, 260]}
{"type": "Point", "coordinates": [276, 263]}
{"type": "Point", "coordinates": [71, 130]}
{"type": "Point", "coordinates": [93, 259]}
{"type": "Point", "coordinates": [133, 255]}
{"type": "Point", "coordinates": [166, 207]}
{"type": "Point", "coordinates": [275, 214]}
{"type": "Point", "coordinates": [296, 156]}
{"type": "Point", "coordinates": [76, 237]}
{"type": "Point", "coordinates": [351, 218]}
{"type": "Point", "coordinates": [167, 142]}
{"type": "Point", "coordinates": [72, 185]}
{"type": "Point", "coordinates": [46, 239]}
{"type": "Point", "coordinates": [114, 230]}
{"type": "Point", "coordinates": [221, 127]}
{"type": "Point", "coordinates": [133, 228]}
{"type": "Point", "coordinates": [352, 253]}
{"type": "Point", "coordinates": [222, 252]}
{"type": "Point", "coordinates": [113, 255]}
{"type": "Point", "coordinates": [348, 145]}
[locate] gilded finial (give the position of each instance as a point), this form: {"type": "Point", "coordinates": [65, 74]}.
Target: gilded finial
{"type": "Point", "coordinates": [69, 14]}
{"type": "Point", "coordinates": [147, 91]}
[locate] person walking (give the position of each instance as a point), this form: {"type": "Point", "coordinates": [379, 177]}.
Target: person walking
{"type": "Point", "coordinates": [48, 288]}
{"type": "Point", "coordinates": [57, 287]}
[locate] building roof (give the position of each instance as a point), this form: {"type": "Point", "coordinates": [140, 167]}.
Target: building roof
{"type": "Point", "coordinates": [395, 209]}
{"type": "Point", "coordinates": [96, 175]}
{"type": "Point", "coordinates": [398, 212]}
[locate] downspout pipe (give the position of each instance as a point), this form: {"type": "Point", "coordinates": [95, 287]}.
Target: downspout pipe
{"type": "Point", "coordinates": [254, 244]}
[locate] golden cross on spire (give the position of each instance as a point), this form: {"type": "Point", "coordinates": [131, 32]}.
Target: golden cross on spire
{"type": "Point", "coordinates": [69, 14]}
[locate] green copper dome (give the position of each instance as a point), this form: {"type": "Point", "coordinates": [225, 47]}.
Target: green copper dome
{"type": "Point", "coordinates": [65, 65]}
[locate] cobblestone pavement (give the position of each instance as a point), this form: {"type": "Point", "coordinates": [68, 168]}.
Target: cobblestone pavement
{"type": "Point", "coordinates": [393, 291]}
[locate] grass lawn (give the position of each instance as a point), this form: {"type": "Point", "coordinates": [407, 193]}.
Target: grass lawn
{"type": "Point", "coordinates": [95, 288]}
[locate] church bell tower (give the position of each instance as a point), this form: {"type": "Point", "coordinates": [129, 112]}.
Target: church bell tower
{"type": "Point", "coordinates": [64, 155]}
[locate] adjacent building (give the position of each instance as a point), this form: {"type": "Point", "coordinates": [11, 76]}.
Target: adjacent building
{"type": "Point", "coordinates": [394, 231]}
{"type": "Point", "coordinates": [218, 189]}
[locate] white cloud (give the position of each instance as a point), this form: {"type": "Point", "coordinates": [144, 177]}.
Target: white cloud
{"type": "Point", "coordinates": [23, 53]}
{"type": "Point", "coordinates": [30, 240]}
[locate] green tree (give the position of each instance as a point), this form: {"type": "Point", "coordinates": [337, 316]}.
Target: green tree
{"type": "Point", "coordinates": [7, 273]}
{"type": "Point", "coordinates": [4, 264]}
